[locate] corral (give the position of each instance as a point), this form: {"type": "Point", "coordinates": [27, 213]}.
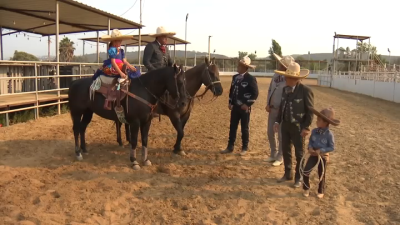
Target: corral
{"type": "Point", "coordinates": [41, 182]}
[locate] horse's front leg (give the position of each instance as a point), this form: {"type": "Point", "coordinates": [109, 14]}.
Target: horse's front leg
{"type": "Point", "coordinates": [144, 131]}
{"type": "Point", "coordinates": [177, 123]}
{"type": "Point", "coordinates": [118, 128]}
{"type": "Point", "coordinates": [134, 128]}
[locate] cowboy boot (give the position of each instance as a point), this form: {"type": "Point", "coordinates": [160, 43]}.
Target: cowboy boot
{"type": "Point", "coordinates": [228, 149]}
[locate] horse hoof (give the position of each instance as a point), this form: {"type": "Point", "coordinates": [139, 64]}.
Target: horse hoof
{"type": "Point", "coordinates": [135, 167]}
{"type": "Point", "coordinates": [85, 152]}
{"type": "Point", "coordinates": [79, 157]}
{"type": "Point", "coordinates": [181, 153]}
{"type": "Point", "coordinates": [147, 163]}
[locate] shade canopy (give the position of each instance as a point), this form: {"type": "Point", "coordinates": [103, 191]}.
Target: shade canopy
{"type": "Point", "coordinates": [146, 38]}
{"type": "Point", "coordinates": [351, 37]}
{"type": "Point", "coordinates": [39, 16]}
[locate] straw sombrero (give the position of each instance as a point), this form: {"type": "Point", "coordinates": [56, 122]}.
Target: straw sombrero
{"type": "Point", "coordinates": [285, 61]}
{"type": "Point", "coordinates": [161, 31]}
{"type": "Point", "coordinates": [246, 61]}
{"type": "Point", "coordinates": [328, 115]}
{"type": "Point", "coordinates": [116, 35]}
{"type": "Point", "coordinates": [293, 71]}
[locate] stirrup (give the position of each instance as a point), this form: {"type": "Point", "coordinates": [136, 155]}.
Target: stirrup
{"type": "Point", "coordinates": [119, 110]}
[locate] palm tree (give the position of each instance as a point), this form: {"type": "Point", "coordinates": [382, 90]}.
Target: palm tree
{"type": "Point", "coordinates": [66, 50]}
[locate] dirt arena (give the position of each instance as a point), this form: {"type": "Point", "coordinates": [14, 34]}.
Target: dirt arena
{"type": "Point", "coordinates": [41, 183]}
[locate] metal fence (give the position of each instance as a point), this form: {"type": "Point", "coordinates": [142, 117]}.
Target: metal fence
{"type": "Point", "coordinates": [24, 79]}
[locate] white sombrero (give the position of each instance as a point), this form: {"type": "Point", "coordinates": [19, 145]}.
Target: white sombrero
{"type": "Point", "coordinates": [293, 71]}
{"type": "Point", "coordinates": [161, 31]}
{"type": "Point", "coordinates": [285, 61]}
{"type": "Point", "coordinates": [116, 35]}
{"type": "Point", "coordinates": [246, 61]}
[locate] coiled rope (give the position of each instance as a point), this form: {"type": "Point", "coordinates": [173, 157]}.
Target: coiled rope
{"type": "Point", "coordinates": [303, 163]}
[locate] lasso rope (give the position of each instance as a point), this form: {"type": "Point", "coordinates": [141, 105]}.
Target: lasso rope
{"type": "Point", "coordinates": [308, 172]}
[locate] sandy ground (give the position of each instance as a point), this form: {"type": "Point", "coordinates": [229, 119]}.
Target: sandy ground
{"type": "Point", "coordinates": [41, 183]}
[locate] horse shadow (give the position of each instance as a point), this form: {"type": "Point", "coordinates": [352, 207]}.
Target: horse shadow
{"type": "Point", "coordinates": [57, 153]}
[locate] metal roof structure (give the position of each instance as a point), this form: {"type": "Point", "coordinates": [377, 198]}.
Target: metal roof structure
{"type": "Point", "coordinates": [351, 37]}
{"type": "Point", "coordinates": [146, 38]}
{"type": "Point", "coordinates": [39, 17]}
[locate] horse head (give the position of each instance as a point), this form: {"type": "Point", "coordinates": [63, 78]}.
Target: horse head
{"type": "Point", "coordinates": [176, 86]}
{"type": "Point", "coordinates": [211, 77]}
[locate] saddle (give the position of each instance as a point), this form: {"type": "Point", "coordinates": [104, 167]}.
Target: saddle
{"type": "Point", "coordinates": [112, 94]}
{"type": "Point", "coordinates": [111, 90]}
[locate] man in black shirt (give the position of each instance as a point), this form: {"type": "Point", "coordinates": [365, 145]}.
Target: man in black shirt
{"type": "Point", "coordinates": [294, 118]}
{"type": "Point", "coordinates": [242, 95]}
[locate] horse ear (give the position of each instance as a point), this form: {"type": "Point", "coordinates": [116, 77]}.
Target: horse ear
{"type": "Point", "coordinates": [206, 60]}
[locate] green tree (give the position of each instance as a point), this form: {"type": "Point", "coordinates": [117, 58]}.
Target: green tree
{"type": "Point", "coordinates": [365, 47]}
{"type": "Point", "coordinates": [23, 56]}
{"type": "Point", "coordinates": [252, 56]}
{"type": "Point", "coordinates": [242, 54]}
{"type": "Point", "coordinates": [66, 50]}
{"type": "Point", "coordinates": [276, 48]}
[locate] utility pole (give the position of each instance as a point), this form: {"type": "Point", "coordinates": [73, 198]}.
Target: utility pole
{"type": "Point", "coordinates": [209, 39]}
{"type": "Point", "coordinates": [187, 16]}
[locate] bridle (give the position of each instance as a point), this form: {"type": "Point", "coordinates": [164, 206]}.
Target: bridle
{"type": "Point", "coordinates": [211, 85]}
{"type": "Point", "coordinates": [164, 101]}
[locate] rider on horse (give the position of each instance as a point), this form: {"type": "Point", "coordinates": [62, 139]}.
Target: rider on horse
{"type": "Point", "coordinates": [116, 66]}
{"type": "Point", "coordinates": [156, 54]}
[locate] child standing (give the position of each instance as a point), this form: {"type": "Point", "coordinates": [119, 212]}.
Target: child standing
{"type": "Point", "coordinates": [321, 143]}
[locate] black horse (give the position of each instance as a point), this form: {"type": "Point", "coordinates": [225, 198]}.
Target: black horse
{"type": "Point", "coordinates": [206, 73]}
{"type": "Point", "coordinates": [144, 92]}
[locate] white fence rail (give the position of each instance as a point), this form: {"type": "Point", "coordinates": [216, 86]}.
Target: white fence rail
{"type": "Point", "coordinates": [378, 85]}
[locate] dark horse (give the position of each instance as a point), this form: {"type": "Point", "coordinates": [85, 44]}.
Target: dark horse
{"type": "Point", "coordinates": [144, 92]}
{"type": "Point", "coordinates": [206, 73]}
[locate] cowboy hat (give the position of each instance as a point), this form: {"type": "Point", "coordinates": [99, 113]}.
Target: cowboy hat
{"type": "Point", "coordinates": [285, 61]}
{"type": "Point", "coordinates": [246, 61]}
{"type": "Point", "coordinates": [328, 115]}
{"type": "Point", "coordinates": [161, 31]}
{"type": "Point", "coordinates": [116, 35]}
{"type": "Point", "coordinates": [293, 71]}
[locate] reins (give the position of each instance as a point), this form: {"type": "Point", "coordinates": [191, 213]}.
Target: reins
{"type": "Point", "coordinates": [212, 83]}
{"type": "Point", "coordinates": [152, 107]}
{"type": "Point", "coordinates": [142, 100]}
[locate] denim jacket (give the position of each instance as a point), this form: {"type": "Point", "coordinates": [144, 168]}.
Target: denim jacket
{"type": "Point", "coordinates": [323, 139]}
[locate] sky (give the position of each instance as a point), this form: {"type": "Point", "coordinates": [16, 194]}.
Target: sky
{"type": "Point", "coordinates": [298, 26]}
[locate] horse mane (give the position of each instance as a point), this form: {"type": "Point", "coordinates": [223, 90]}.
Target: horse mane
{"type": "Point", "coordinates": [158, 73]}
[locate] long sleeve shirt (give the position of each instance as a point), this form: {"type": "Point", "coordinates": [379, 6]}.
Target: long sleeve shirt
{"type": "Point", "coordinates": [275, 90]}
{"type": "Point", "coordinates": [322, 139]}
